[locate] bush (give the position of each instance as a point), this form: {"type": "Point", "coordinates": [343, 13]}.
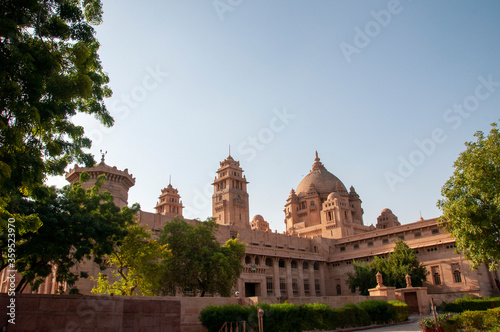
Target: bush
{"type": "Point", "coordinates": [398, 311]}
{"type": "Point", "coordinates": [213, 317]}
{"type": "Point", "coordinates": [471, 304]}
{"type": "Point", "coordinates": [377, 310]}
{"type": "Point", "coordinates": [480, 320]}
{"type": "Point", "coordinates": [290, 317]}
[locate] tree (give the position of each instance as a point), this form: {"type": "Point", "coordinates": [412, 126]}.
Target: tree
{"type": "Point", "coordinates": [49, 71]}
{"type": "Point", "coordinates": [363, 278]}
{"type": "Point", "coordinates": [198, 263]}
{"type": "Point", "coordinates": [78, 225]}
{"type": "Point", "coordinates": [399, 263]}
{"type": "Point", "coordinates": [471, 203]}
{"type": "Point", "coordinates": [136, 265]}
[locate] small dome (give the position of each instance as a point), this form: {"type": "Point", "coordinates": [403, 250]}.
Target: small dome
{"type": "Point", "coordinates": [384, 211]}
{"type": "Point", "coordinates": [258, 217]}
{"type": "Point", "coordinates": [331, 197]}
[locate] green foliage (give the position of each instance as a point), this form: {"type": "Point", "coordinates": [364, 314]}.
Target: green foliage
{"type": "Point", "coordinates": [136, 265]}
{"type": "Point", "coordinates": [77, 225]}
{"type": "Point", "coordinates": [286, 317]}
{"type": "Point", "coordinates": [49, 72]}
{"type": "Point", "coordinates": [377, 310]}
{"type": "Point", "coordinates": [471, 203]}
{"type": "Point", "coordinates": [398, 311]}
{"type": "Point", "coordinates": [363, 278]}
{"type": "Point", "coordinates": [394, 269]}
{"type": "Point", "coordinates": [198, 263]}
{"type": "Point", "coordinates": [213, 317]}
{"type": "Point", "coordinates": [463, 304]}
{"type": "Point", "coordinates": [487, 320]}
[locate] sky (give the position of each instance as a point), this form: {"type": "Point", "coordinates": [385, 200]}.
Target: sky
{"type": "Point", "coordinates": [387, 92]}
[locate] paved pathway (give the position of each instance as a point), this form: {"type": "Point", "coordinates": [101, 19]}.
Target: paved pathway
{"type": "Point", "coordinates": [411, 326]}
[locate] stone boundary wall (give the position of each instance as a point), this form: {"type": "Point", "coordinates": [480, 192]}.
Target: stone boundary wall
{"type": "Point", "coordinates": [35, 312]}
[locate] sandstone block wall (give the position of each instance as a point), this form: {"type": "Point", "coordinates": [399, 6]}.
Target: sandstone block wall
{"type": "Point", "coordinates": [34, 312]}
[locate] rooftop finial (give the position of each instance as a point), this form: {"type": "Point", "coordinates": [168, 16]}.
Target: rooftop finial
{"type": "Point", "coordinates": [170, 179]}
{"type": "Point", "coordinates": [103, 154]}
{"type": "Point", "coordinates": [317, 163]}
{"type": "Point", "coordinates": [229, 150]}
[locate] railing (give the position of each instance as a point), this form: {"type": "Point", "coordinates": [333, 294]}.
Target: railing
{"type": "Point", "coordinates": [228, 326]}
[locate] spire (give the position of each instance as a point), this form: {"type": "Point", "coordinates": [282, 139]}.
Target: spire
{"type": "Point", "coordinates": [317, 163]}
{"type": "Point", "coordinates": [103, 154]}
{"type": "Point", "coordinates": [229, 150]}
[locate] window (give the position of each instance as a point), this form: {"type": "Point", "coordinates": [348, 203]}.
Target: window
{"type": "Point", "coordinates": [247, 259]}
{"type": "Point", "coordinates": [316, 266]}
{"type": "Point", "coordinates": [370, 244]}
{"type": "Point", "coordinates": [295, 287]}
{"type": "Point", "coordinates": [417, 234]}
{"type": "Point", "coordinates": [269, 262]}
{"type": "Point", "coordinates": [436, 275]}
{"type": "Point", "coordinates": [294, 264]}
{"type": "Point", "coordinates": [312, 203]}
{"type": "Point", "coordinates": [257, 261]}
{"type": "Point", "coordinates": [402, 237]}
{"type": "Point", "coordinates": [305, 265]}
{"type": "Point", "coordinates": [342, 248]}
{"type": "Point", "coordinates": [281, 263]}
{"type": "Point", "coordinates": [385, 241]}
{"type": "Point", "coordinates": [317, 287]}
{"type": "Point", "coordinates": [339, 289]}
{"type": "Point", "coordinates": [283, 286]}
{"type": "Point", "coordinates": [306, 287]}
{"type": "Point", "coordinates": [457, 275]}
{"type": "Point", "coordinates": [435, 231]}
{"type": "Point", "coordinates": [356, 246]}
{"type": "Point", "coordinates": [269, 286]}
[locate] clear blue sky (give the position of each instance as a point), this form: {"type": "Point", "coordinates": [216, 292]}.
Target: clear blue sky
{"type": "Point", "coordinates": [368, 84]}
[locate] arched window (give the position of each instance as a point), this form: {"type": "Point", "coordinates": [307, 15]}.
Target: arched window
{"type": "Point", "coordinates": [247, 260]}
{"type": "Point", "coordinates": [269, 262]}
{"type": "Point", "coordinates": [257, 260]}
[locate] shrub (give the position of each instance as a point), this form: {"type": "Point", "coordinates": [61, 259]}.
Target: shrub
{"type": "Point", "coordinates": [398, 311]}
{"type": "Point", "coordinates": [213, 317]}
{"type": "Point", "coordinates": [471, 304]}
{"type": "Point", "coordinates": [480, 320]}
{"type": "Point", "coordinates": [353, 315]}
{"type": "Point", "coordinates": [377, 310]}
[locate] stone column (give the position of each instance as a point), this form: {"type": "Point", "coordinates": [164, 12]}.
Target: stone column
{"type": "Point", "coordinates": [312, 280]}
{"type": "Point", "coordinates": [289, 288]}
{"type": "Point", "coordinates": [301, 278]}
{"type": "Point", "coordinates": [276, 277]}
{"type": "Point", "coordinates": [322, 279]}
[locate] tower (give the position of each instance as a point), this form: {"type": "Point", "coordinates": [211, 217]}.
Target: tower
{"type": "Point", "coordinates": [169, 202]}
{"type": "Point", "coordinates": [117, 182]}
{"type": "Point", "coordinates": [230, 198]}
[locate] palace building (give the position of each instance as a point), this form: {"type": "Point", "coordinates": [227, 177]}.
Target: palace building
{"type": "Point", "coordinates": [325, 233]}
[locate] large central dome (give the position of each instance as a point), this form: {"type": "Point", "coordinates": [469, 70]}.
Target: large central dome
{"type": "Point", "coordinates": [324, 181]}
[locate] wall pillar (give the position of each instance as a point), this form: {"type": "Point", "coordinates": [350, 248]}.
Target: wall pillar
{"type": "Point", "coordinates": [322, 280]}
{"type": "Point", "coordinates": [289, 288]}
{"type": "Point", "coordinates": [276, 277]}
{"type": "Point", "coordinates": [301, 278]}
{"type": "Point", "coordinates": [312, 280]}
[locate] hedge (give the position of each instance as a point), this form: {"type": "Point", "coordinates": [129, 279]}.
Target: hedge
{"type": "Point", "coordinates": [480, 320]}
{"type": "Point", "coordinates": [463, 304]}
{"type": "Point", "coordinates": [288, 317]}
